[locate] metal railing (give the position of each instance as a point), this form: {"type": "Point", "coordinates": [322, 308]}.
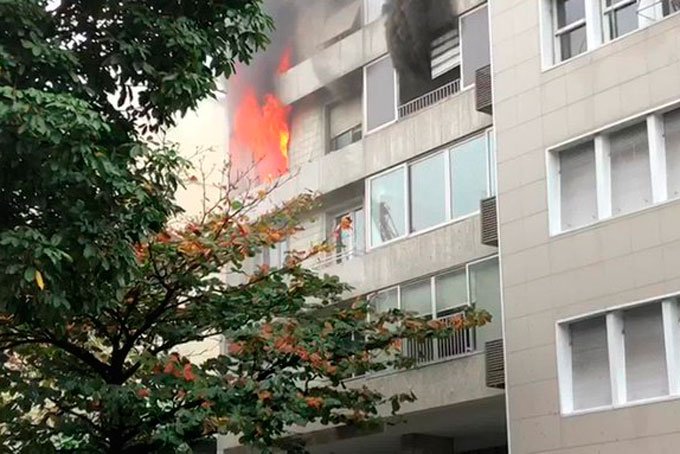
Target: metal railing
{"type": "Point", "coordinates": [335, 258]}
{"type": "Point", "coordinates": [462, 342]}
{"type": "Point", "coordinates": [428, 99]}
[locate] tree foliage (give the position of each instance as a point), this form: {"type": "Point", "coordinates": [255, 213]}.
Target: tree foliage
{"type": "Point", "coordinates": [99, 289]}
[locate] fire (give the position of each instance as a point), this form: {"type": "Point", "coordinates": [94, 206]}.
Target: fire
{"type": "Point", "coordinates": [284, 63]}
{"type": "Point", "coordinates": [261, 133]}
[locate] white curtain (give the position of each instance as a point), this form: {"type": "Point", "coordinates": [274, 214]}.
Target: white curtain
{"type": "Point", "coordinates": [646, 373]}
{"type": "Point", "coordinates": [630, 172]}
{"type": "Point", "coordinates": [578, 191]}
{"type": "Point", "coordinates": [590, 363]}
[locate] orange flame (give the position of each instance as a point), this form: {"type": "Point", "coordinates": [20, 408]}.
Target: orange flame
{"type": "Point", "coordinates": [260, 127]}
{"type": "Point", "coordinates": [261, 133]}
{"type": "Point", "coordinates": [284, 63]}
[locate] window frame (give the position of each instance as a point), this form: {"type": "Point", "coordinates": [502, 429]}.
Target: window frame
{"type": "Point", "coordinates": [612, 9]}
{"type": "Point", "coordinates": [597, 29]}
{"type": "Point", "coordinates": [670, 308]}
{"type": "Point", "coordinates": [355, 250]}
{"type": "Point", "coordinates": [461, 45]}
{"type": "Point", "coordinates": [364, 95]}
{"type": "Point", "coordinates": [364, 15]}
{"type": "Point", "coordinates": [406, 166]}
{"type": "Point", "coordinates": [654, 119]}
{"type": "Point", "coordinates": [351, 130]}
{"type": "Point", "coordinates": [433, 287]}
{"type": "Point", "coordinates": [557, 31]}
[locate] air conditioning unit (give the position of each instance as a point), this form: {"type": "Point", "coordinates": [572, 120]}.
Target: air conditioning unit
{"type": "Point", "coordinates": [495, 364]}
{"type": "Point", "coordinates": [483, 96]}
{"type": "Point", "coordinates": [489, 218]}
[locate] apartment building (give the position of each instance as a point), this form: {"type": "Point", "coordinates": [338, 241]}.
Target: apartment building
{"type": "Point", "coordinates": [408, 157]}
{"type": "Point", "coordinates": [559, 195]}
{"type": "Point", "coordinates": [586, 100]}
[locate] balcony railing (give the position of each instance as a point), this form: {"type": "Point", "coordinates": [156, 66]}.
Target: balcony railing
{"type": "Point", "coordinates": [336, 257]}
{"type": "Point", "coordinates": [462, 342]}
{"type": "Point", "coordinates": [429, 99]}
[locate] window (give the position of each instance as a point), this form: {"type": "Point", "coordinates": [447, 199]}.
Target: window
{"type": "Point", "coordinates": [670, 7]}
{"type": "Point", "coordinates": [444, 186]}
{"type": "Point", "coordinates": [275, 257]}
{"type": "Point", "coordinates": [417, 297]}
{"type": "Point", "coordinates": [445, 296]}
{"type": "Point", "coordinates": [346, 138]}
{"type": "Point", "coordinates": [451, 290]}
{"type": "Point", "coordinates": [580, 25]}
{"type": "Point", "coordinates": [373, 9]}
{"type": "Point", "coordinates": [620, 17]}
{"type": "Point", "coordinates": [619, 357]}
{"type": "Point", "coordinates": [672, 142]}
{"type": "Point", "coordinates": [344, 119]}
{"type": "Point", "coordinates": [578, 190]}
{"type": "Point", "coordinates": [618, 171]}
{"type": "Point", "coordinates": [388, 213]}
{"type": "Point", "coordinates": [646, 373]}
{"type": "Point", "coordinates": [475, 42]}
{"type": "Point", "coordinates": [349, 241]}
{"type": "Point", "coordinates": [630, 171]}
{"type": "Point", "coordinates": [380, 93]}
{"type": "Point", "coordinates": [570, 28]}
{"type": "Point", "coordinates": [386, 300]}
{"type": "Point", "coordinates": [427, 190]}
{"type": "Point", "coordinates": [590, 363]}
{"type": "Point", "coordinates": [469, 176]}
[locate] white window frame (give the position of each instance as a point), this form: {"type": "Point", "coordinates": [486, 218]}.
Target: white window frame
{"type": "Point", "coordinates": [670, 308]}
{"type": "Point", "coordinates": [448, 187]}
{"type": "Point", "coordinates": [365, 19]}
{"type": "Point", "coordinates": [433, 287]}
{"type": "Point", "coordinates": [367, 131]}
{"type": "Point", "coordinates": [558, 32]}
{"type": "Point", "coordinates": [460, 44]}
{"type": "Point", "coordinates": [657, 168]}
{"type": "Point", "coordinates": [354, 251]}
{"type": "Point", "coordinates": [597, 26]}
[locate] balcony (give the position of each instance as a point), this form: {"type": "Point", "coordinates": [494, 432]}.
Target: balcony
{"type": "Point", "coordinates": [425, 351]}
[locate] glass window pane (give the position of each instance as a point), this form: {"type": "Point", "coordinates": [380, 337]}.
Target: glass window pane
{"type": "Point", "coordinates": [573, 42]}
{"type": "Point", "coordinates": [491, 144]}
{"type": "Point", "coordinates": [485, 290]}
{"type": "Point", "coordinates": [475, 43]}
{"type": "Point", "coordinates": [590, 364]}
{"type": "Point", "coordinates": [623, 20]}
{"type": "Point", "coordinates": [380, 93]}
{"type": "Point", "coordinates": [672, 132]}
{"type": "Point", "coordinates": [428, 192]}
{"type": "Point", "coordinates": [578, 192]}
{"type": "Point", "coordinates": [569, 11]}
{"type": "Point", "coordinates": [417, 297]}
{"type": "Point", "coordinates": [373, 10]}
{"type": "Point", "coordinates": [646, 374]}
{"type": "Point", "coordinates": [359, 229]}
{"type": "Point", "coordinates": [385, 300]}
{"type": "Point", "coordinates": [670, 6]}
{"type": "Point", "coordinates": [469, 177]}
{"type": "Point", "coordinates": [451, 290]}
{"type": "Point", "coordinates": [485, 294]}
{"type": "Point", "coordinates": [630, 173]}
{"type": "Point", "coordinates": [388, 218]}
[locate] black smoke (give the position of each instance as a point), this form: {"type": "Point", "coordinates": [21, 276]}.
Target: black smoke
{"type": "Point", "coordinates": [410, 28]}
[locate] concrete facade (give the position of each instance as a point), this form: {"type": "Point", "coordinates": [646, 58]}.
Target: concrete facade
{"type": "Point", "coordinates": [455, 412]}
{"type": "Point", "coordinates": [548, 277]}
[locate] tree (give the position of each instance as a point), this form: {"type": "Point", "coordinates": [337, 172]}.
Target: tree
{"type": "Point", "coordinates": [98, 290]}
